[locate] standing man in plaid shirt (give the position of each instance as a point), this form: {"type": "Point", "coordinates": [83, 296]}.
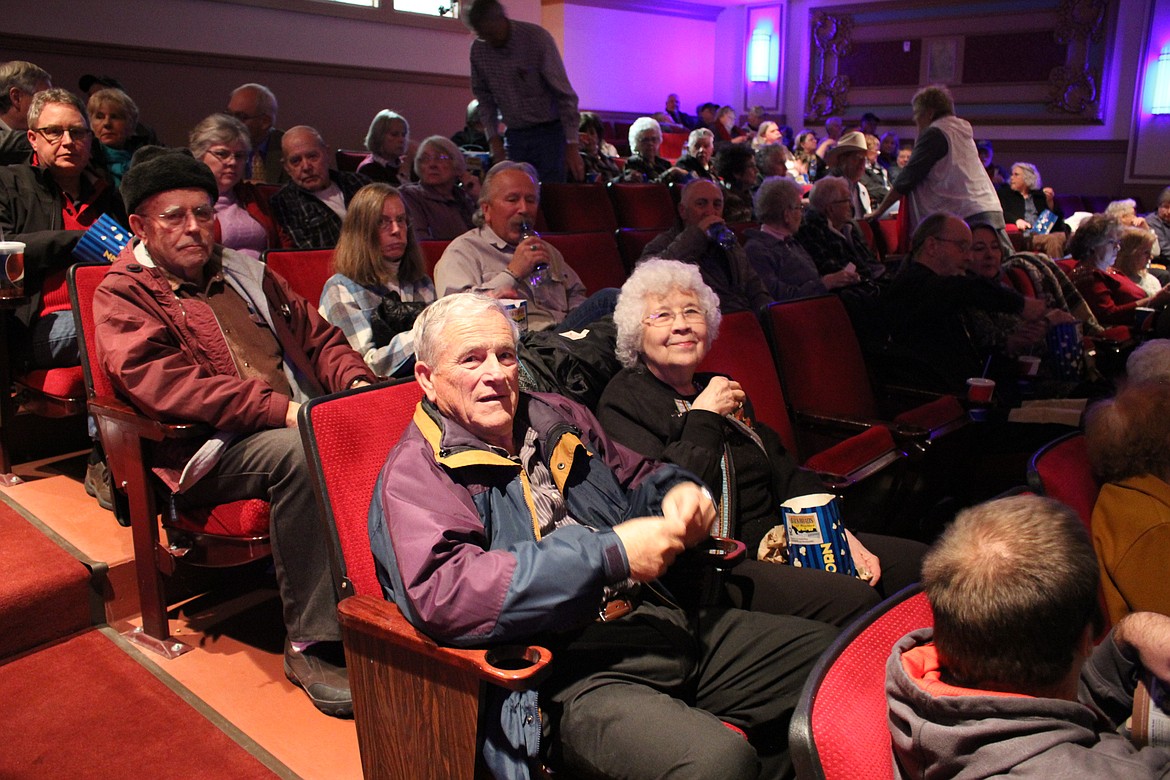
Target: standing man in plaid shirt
{"type": "Point", "coordinates": [517, 73]}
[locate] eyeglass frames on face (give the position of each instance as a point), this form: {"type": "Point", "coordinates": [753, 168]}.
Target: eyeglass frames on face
{"type": "Point", "coordinates": [665, 318]}
{"type": "Point", "coordinates": [176, 218]}
{"type": "Point", "coordinates": [54, 134]}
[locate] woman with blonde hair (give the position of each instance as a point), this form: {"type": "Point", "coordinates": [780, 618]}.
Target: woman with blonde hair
{"type": "Point", "coordinates": [380, 282]}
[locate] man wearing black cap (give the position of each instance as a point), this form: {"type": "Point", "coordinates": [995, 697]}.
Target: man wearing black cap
{"type": "Point", "coordinates": [191, 331]}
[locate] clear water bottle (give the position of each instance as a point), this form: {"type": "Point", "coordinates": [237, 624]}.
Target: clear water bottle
{"type": "Point", "coordinates": [537, 274]}
{"type": "Point", "coordinates": [721, 235]}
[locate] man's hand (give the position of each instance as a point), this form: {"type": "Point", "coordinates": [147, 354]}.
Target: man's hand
{"type": "Point", "coordinates": [1147, 633]}
{"type": "Point", "coordinates": [706, 222]}
{"type": "Point", "coordinates": [691, 505]}
{"type": "Point", "coordinates": [842, 278]}
{"type": "Point", "coordinates": [1034, 309]}
{"type": "Point", "coordinates": [574, 165]}
{"type": "Point", "coordinates": [290, 414]}
{"type": "Point", "coordinates": [496, 145]}
{"type": "Point", "coordinates": [529, 253]}
{"type": "Point", "coordinates": [721, 396]}
{"type": "Point", "coordinates": [652, 544]}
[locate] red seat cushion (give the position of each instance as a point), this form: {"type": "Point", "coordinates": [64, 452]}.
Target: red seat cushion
{"type": "Point", "coordinates": [245, 519]}
{"type": "Point", "coordinates": [933, 415]}
{"type": "Point", "coordinates": [853, 453]}
{"type": "Point", "coordinates": [66, 382]}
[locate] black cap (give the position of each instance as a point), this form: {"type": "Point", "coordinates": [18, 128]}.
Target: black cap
{"type": "Point", "coordinates": [88, 80]}
{"type": "Point", "coordinates": [155, 169]}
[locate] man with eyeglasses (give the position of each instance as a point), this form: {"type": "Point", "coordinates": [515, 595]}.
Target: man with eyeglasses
{"type": "Point", "coordinates": [48, 205]}
{"type": "Point", "coordinates": [701, 237]}
{"type": "Point", "coordinates": [192, 332]}
{"type": "Point", "coordinates": [924, 304]}
{"type": "Point", "coordinates": [20, 81]}
{"type": "Point", "coordinates": [255, 106]}
{"type": "Point", "coordinates": [309, 209]}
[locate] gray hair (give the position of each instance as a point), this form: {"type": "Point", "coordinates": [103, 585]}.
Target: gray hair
{"type": "Point", "coordinates": [774, 197]}
{"type": "Point", "coordinates": [1150, 362]}
{"type": "Point", "coordinates": [641, 125]}
{"type": "Point", "coordinates": [930, 227]}
{"type": "Point", "coordinates": [769, 155]}
{"type": "Point", "coordinates": [20, 74]}
{"type": "Point", "coordinates": [381, 125]}
{"type": "Point", "coordinates": [822, 192]}
{"type": "Point", "coordinates": [217, 129]}
{"type": "Point", "coordinates": [1164, 197]}
{"type": "Point", "coordinates": [1031, 174]}
{"type": "Point", "coordinates": [698, 134]}
{"type": "Point", "coordinates": [489, 184]}
{"type": "Point", "coordinates": [758, 142]}
{"type": "Point", "coordinates": [432, 321]}
{"type": "Point", "coordinates": [448, 147]}
{"type": "Point", "coordinates": [265, 99]}
{"type": "Point", "coordinates": [658, 276]}
{"type": "Point", "coordinates": [1121, 208]}
{"type": "Point", "coordinates": [55, 95]}
{"type": "Point", "coordinates": [117, 98]}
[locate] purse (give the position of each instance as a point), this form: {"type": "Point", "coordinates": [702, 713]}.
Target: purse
{"type": "Point", "coordinates": [393, 316]}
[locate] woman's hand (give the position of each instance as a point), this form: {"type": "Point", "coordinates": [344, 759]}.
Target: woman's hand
{"type": "Point", "coordinates": [867, 563]}
{"type": "Point", "coordinates": [1023, 224]}
{"type": "Point", "coordinates": [721, 396]}
{"type": "Point", "coordinates": [842, 278]}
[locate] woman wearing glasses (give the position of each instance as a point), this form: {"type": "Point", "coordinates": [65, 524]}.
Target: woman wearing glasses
{"type": "Point", "coordinates": [380, 284]}
{"type": "Point", "coordinates": [243, 219]}
{"type": "Point", "coordinates": [1110, 294]}
{"type": "Point", "coordinates": [440, 206]}
{"type": "Point", "coordinates": [660, 406]}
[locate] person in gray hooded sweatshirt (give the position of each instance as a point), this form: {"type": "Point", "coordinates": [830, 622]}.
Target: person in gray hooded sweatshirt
{"type": "Point", "coordinates": [1009, 680]}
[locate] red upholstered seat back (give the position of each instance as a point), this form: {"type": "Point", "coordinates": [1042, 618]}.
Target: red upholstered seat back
{"type": "Point", "coordinates": [577, 208]}
{"type": "Point", "coordinates": [839, 730]}
{"type": "Point", "coordinates": [631, 242]}
{"type": "Point", "coordinates": [820, 358]}
{"type": "Point", "coordinates": [741, 352]}
{"type": "Point", "coordinates": [646, 206]}
{"type": "Point", "coordinates": [348, 437]}
{"type": "Point", "coordinates": [1020, 281]}
{"type": "Point", "coordinates": [1061, 470]}
{"type": "Point", "coordinates": [86, 279]}
{"type": "Point", "coordinates": [594, 256]}
{"type": "Point", "coordinates": [306, 270]}
{"type": "Point", "coordinates": [432, 250]}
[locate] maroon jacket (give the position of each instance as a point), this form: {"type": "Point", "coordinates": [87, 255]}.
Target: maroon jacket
{"type": "Point", "coordinates": [170, 359]}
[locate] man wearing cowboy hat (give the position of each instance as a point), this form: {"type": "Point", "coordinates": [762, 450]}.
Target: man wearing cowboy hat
{"type": "Point", "coordinates": [847, 159]}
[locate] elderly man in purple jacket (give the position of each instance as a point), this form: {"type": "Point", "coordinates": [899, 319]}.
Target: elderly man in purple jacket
{"type": "Point", "coordinates": [510, 517]}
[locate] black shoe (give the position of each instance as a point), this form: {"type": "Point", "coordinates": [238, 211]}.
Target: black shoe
{"type": "Point", "coordinates": [99, 485]}
{"type": "Point", "coordinates": [320, 670]}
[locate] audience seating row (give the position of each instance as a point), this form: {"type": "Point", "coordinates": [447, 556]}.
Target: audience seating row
{"type": "Point", "coordinates": [585, 208]}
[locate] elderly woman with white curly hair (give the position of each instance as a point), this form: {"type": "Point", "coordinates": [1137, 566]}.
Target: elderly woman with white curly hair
{"type": "Point", "coordinates": [644, 164]}
{"type": "Point", "coordinates": [1024, 198]}
{"type": "Point", "coordinates": [660, 406]}
{"type": "Point", "coordinates": [439, 205]}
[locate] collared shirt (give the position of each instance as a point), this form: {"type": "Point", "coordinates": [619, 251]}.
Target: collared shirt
{"type": "Point", "coordinates": [524, 80]}
{"type": "Point", "coordinates": [350, 306]}
{"type": "Point", "coordinates": [477, 261]}
{"type": "Point", "coordinates": [307, 221]}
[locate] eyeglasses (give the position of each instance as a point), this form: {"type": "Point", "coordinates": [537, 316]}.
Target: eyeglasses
{"type": "Point", "coordinates": [664, 318]}
{"type": "Point", "coordinates": [963, 244]}
{"type": "Point", "coordinates": [430, 158]}
{"type": "Point", "coordinates": [240, 115]}
{"type": "Point", "coordinates": [402, 221]}
{"type": "Point", "coordinates": [226, 155]}
{"type": "Point", "coordinates": [55, 133]}
{"type": "Point", "coordinates": [176, 218]}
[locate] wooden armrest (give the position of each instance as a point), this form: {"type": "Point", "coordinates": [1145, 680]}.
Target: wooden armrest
{"type": "Point", "coordinates": [129, 420]}
{"type": "Point", "coordinates": [515, 667]}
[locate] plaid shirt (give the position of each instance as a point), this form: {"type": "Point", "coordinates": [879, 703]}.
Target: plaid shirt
{"type": "Point", "coordinates": [349, 306]}
{"type": "Point", "coordinates": [305, 221]}
{"type": "Point", "coordinates": [524, 80]}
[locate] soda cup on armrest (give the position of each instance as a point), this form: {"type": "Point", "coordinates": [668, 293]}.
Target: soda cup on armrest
{"type": "Point", "coordinates": [12, 280]}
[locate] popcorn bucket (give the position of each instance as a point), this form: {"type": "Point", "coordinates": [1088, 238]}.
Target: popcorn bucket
{"type": "Point", "coordinates": [102, 242]}
{"type": "Point", "coordinates": [816, 537]}
{"type": "Point", "coordinates": [1067, 350]}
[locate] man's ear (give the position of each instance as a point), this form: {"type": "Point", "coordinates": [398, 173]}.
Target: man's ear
{"type": "Point", "coordinates": [424, 374]}
{"type": "Point", "coordinates": [137, 223]}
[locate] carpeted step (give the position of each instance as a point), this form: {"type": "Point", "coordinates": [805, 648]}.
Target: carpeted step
{"type": "Point", "coordinates": [83, 707]}
{"type": "Point", "coordinates": [44, 591]}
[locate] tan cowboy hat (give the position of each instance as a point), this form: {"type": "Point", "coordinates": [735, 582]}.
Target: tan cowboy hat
{"type": "Point", "coordinates": [852, 141]}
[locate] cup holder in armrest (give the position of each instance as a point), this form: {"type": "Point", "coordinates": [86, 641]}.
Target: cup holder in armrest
{"type": "Point", "coordinates": [723, 552]}
{"type": "Point", "coordinates": [515, 658]}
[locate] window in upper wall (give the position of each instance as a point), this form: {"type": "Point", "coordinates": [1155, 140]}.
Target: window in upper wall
{"type": "Point", "coordinates": [432, 14]}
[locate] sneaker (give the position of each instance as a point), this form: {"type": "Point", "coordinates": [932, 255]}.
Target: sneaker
{"type": "Point", "coordinates": [99, 485]}
{"type": "Point", "coordinates": [320, 670]}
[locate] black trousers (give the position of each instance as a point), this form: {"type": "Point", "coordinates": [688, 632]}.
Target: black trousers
{"type": "Point", "coordinates": [649, 695]}
{"type": "Point", "coordinates": [271, 465]}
